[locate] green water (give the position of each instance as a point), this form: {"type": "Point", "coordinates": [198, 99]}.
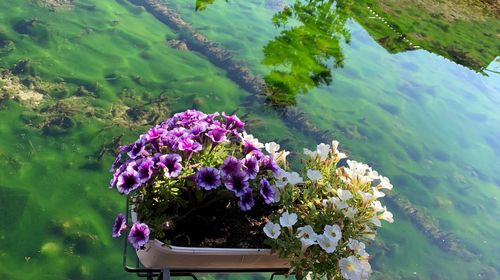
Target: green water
{"type": "Point", "coordinates": [430, 125]}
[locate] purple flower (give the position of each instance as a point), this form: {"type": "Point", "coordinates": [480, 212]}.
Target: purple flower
{"type": "Point", "coordinates": [119, 225]}
{"type": "Point", "coordinates": [267, 191]}
{"type": "Point", "coordinates": [231, 165]}
{"type": "Point", "coordinates": [116, 163]}
{"type": "Point", "coordinates": [128, 181]}
{"type": "Point", "coordinates": [145, 169]}
{"type": "Point", "coordinates": [126, 148]}
{"type": "Point", "coordinates": [249, 146]}
{"type": "Point", "coordinates": [138, 235]}
{"type": "Point", "coordinates": [217, 135]}
{"type": "Point", "coordinates": [208, 178]}
{"type": "Point", "coordinates": [233, 122]}
{"type": "Point", "coordinates": [268, 163]}
{"type": "Point", "coordinates": [250, 166]}
{"type": "Point", "coordinates": [246, 201]}
{"type": "Point", "coordinates": [189, 145]}
{"type": "Point", "coordinates": [257, 154]}
{"type": "Point", "coordinates": [237, 183]}
{"type": "Point", "coordinates": [136, 150]}
{"type": "Point", "coordinates": [153, 133]}
{"type": "Point", "coordinates": [114, 180]}
{"type": "Point", "coordinates": [198, 129]}
{"type": "Point", "coordinates": [171, 164]}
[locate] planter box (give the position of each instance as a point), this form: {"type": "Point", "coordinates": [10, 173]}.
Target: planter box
{"type": "Point", "coordinates": [155, 255]}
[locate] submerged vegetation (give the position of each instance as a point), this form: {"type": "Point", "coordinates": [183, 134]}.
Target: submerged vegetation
{"type": "Point", "coordinates": [78, 78]}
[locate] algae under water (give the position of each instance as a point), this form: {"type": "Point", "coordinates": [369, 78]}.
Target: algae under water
{"type": "Point", "coordinates": [108, 69]}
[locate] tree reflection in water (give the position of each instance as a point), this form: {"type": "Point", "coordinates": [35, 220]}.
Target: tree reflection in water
{"type": "Point", "coordinates": [302, 56]}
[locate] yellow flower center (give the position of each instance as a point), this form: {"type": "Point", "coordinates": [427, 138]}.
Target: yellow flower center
{"type": "Point", "coordinates": [350, 267]}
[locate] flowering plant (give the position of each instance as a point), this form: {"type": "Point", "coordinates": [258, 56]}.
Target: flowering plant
{"type": "Point", "coordinates": [191, 162]}
{"type": "Point", "coordinates": [326, 215]}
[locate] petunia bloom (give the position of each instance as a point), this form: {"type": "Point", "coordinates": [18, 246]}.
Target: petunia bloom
{"type": "Point", "coordinates": [323, 150]}
{"type": "Point", "coordinates": [268, 163]}
{"type": "Point", "coordinates": [138, 235]}
{"type": "Point", "coordinates": [314, 175]}
{"type": "Point", "coordinates": [128, 181]}
{"type": "Point", "coordinates": [119, 225]}
{"type": "Point", "coordinates": [327, 243]}
{"type": "Point", "coordinates": [136, 150]}
{"type": "Point", "coordinates": [333, 231]}
{"type": "Point", "coordinates": [171, 164]}
{"type": "Point", "coordinates": [145, 170]}
{"type": "Point", "coordinates": [272, 230]}
{"type": "Point", "coordinates": [233, 122]}
{"type": "Point", "coordinates": [208, 178]}
{"type": "Point", "coordinates": [246, 201]}
{"type": "Point", "coordinates": [267, 191]}
{"type": "Point", "coordinates": [350, 268]}
{"type": "Point", "coordinates": [250, 166]}
{"type": "Point", "coordinates": [307, 237]}
{"type": "Point", "coordinates": [189, 145]}
{"type": "Point", "coordinates": [287, 219]}
{"type": "Point", "coordinates": [293, 178]}
{"type": "Point", "coordinates": [237, 183]}
{"type": "Point", "coordinates": [217, 135]}
{"type": "Point", "coordinates": [250, 143]}
{"type": "Point", "coordinates": [231, 165]}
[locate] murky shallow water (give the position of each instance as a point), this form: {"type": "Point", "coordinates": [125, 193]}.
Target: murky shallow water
{"type": "Point", "coordinates": [430, 125]}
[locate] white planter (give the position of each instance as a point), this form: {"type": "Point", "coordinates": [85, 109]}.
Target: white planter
{"type": "Point", "coordinates": [155, 255]}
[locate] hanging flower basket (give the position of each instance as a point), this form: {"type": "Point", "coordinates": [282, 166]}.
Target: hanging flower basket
{"type": "Point", "coordinates": [207, 195]}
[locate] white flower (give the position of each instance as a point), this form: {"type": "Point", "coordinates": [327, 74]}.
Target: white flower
{"type": "Point", "coordinates": [366, 196]}
{"type": "Point", "coordinates": [336, 203]}
{"type": "Point", "coordinates": [357, 246]}
{"type": "Point", "coordinates": [339, 156]}
{"type": "Point", "coordinates": [350, 268]}
{"type": "Point", "coordinates": [386, 216]}
{"type": "Point", "coordinates": [293, 178]}
{"type": "Point", "coordinates": [280, 183]}
{"type": "Point", "coordinates": [307, 236]}
{"type": "Point", "coordinates": [281, 156]}
{"type": "Point", "coordinates": [350, 212]}
{"type": "Point", "coordinates": [272, 230]}
{"type": "Point", "coordinates": [325, 202]}
{"type": "Point", "coordinates": [333, 231]}
{"type": "Point", "coordinates": [366, 269]}
{"type": "Point", "coordinates": [384, 183]}
{"type": "Point", "coordinates": [335, 145]}
{"type": "Point", "coordinates": [376, 221]}
{"type": "Point", "coordinates": [344, 194]}
{"type": "Point", "coordinates": [377, 193]}
{"type": "Point", "coordinates": [326, 243]}
{"type": "Point", "coordinates": [314, 175]}
{"type": "Point", "coordinates": [272, 147]}
{"type": "Point", "coordinates": [306, 232]}
{"type": "Point", "coordinates": [287, 219]}
{"type": "Point", "coordinates": [323, 150]}
{"type": "Point", "coordinates": [373, 174]}
{"type": "Point", "coordinates": [309, 153]}
{"type": "Point", "coordinates": [377, 206]}
{"type": "Point", "coordinates": [250, 139]}
{"type": "Point", "coordinates": [277, 195]}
